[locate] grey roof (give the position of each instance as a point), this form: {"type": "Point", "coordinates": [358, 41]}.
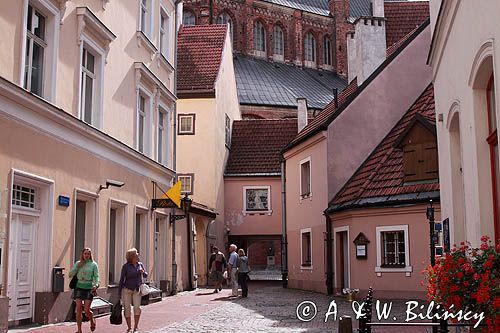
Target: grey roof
{"type": "Point", "coordinates": [319, 7]}
{"type": "Point", "coordinates": [358, 8]}
{"type": "Point", "coordinates": [261, 82]}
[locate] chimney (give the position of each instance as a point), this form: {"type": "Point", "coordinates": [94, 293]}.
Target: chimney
{"type": "Point", "coordinates": [302, 114]}
{"type": "Point", "coordinates": [378, 8]}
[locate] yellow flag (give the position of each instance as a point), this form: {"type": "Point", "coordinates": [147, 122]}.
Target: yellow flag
{"type": "Point", "coordinates": [174, 194]}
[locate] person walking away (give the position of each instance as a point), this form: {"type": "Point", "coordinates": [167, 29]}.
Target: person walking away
{"type": "Point", "coordinates": [87, 273]}
{"type": "Point", "coordinates": [232, 269]}
{"type": "Point", "coordinates": [217, 264]}
{"type": "Point", "coordinates": [243, 270]}
{"type": "Point", "coordinates": [132, 273]}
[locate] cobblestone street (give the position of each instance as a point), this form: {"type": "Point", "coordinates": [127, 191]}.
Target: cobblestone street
{"type": "Point", "coordinates": [269, 308]}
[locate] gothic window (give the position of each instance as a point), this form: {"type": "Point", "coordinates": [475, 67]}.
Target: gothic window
{"type": "Point", "coordinates": [327, 47]}
{"type": "Point", "coordinates": [309, 48]}
{"type": "Point", "coordinates": [278, 41]}
{"type": "Point", "coordinates": [224, 18]}
{"type": "Point", "coordinates": [259, 37]}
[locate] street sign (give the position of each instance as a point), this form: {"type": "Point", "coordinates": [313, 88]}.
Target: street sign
{"type": "Point", "coordinates": [162, 203]}
{"type": "Point", "coordinates": [174, 194]}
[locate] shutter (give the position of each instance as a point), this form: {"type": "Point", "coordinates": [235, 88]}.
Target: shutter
{"type": "Point", "coordinates": [410, 157]}
{"type": "Point", "coordinates": [430, 164]}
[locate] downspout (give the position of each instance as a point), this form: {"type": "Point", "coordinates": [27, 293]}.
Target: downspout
{"type": "Point", "coordinates": [284, 244]}
{"type": "Point", "coordinates": [177, 9]}
{"type": "Point", "coordinates": [329, 254]}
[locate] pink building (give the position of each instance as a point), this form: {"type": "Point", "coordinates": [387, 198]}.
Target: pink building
{"type": "Point", "coordinates": [253, 189]}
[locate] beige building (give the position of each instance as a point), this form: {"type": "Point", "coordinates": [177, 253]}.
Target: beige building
{"type": "Point", "coordinates": [465, 79]}
{"type": "Point", "coordinates": [86, 126]}
{"type": "Point", "coordinates": [207, 106]}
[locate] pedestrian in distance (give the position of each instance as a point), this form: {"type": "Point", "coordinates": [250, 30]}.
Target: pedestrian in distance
{"type": "Point", "coordinates": [131, 279]}
{"type": "Point", "coordinates": [87, 273]}
{"type": "Point", "coordinates": [243, 270]}
{"type": "Point", "coordinates": [217, 265]}
{"type": "Point", "coordinates": [232, 270]}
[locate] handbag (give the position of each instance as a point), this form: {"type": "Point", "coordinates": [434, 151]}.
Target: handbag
{"type": "Point", "coordinates": [116, 314]}
{"type": "Point", "coordinates": [144, 289]}
{"type": "Point", "coordinates": [74, 280]}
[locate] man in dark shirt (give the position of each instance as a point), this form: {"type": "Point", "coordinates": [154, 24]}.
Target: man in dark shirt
{"type": "Point", "coordinates": [216, 266]}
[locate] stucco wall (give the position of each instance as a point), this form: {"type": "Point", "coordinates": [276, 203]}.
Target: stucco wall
{"type": "Point", "coordinates": [460, 83]}
{"type": "Point", "coordinates": [376, 110]}
{"type": "Point", "coordinates": [252, 224]}
{"type": "Point", "coordinates": [362, 272]}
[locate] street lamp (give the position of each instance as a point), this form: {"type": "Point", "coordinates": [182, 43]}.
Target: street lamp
{"type": "Point", "coordinates": [186, 203]}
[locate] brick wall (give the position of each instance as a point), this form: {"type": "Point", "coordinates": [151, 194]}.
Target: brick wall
{"type": "Point", "coordinates": [295, 24]}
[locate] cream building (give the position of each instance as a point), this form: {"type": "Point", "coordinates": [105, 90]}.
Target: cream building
{"type": "Point", "coordinates": [87, 107]}
{"type": "Point", "coordinates": [465, 57]}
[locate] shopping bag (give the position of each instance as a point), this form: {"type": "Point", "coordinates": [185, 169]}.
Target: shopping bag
{"type": "Point", "coordinates": [116, 314]}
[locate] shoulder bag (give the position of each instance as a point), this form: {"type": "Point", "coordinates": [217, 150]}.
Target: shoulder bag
{"type": "Point", "coordinates": [144, 288]}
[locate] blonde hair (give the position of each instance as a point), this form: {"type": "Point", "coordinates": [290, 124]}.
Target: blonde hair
{"type": "Point", "coordinates": [82, 259]}
{"type": "Point", "coordinates": [241, 252]}
{"type": "Point", "coordinates": [129, 255]}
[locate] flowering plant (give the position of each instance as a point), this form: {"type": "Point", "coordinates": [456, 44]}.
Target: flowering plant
{"type": "Point", "coordinates": [468, 279]}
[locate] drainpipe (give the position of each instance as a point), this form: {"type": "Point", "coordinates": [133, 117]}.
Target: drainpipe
{"type": "Point", "coordinates": [177, 10]}
{"type": "Point", "coordinates": [284, 244]}
{"type": "Point", "coordinates": [329, 254]}
{"type": "Point", "coordinates": [190, 250]}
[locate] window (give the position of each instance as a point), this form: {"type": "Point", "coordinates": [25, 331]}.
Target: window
{"type": "Point", "coordinates": [87, 86]}
{"type": "Point", "coordinates": [309, 48]}
{"type": "Point", "coordinates": [257, 199]}
{"type": "Point", "coordinates": [141, 232]}
{"type": "Point", "coordinates": [306, 248]}
{"type": "Point", "coordinates": [188, 18]}
{"type": "Point", "coordinates": [493, 143]}
{"type": "Point", "coordinates": [141, 123]}
{"type": "Point", "coordinates": [163, 136]}
{"type": "Point", "coordinates": [187, 181]}
{"type": "Point", "coordinates": [228, 131]}
{"type": "Point", "coordinates": [279, 49]}
{"type": "Point", "coordinates": [327, 47]}
{"type": "Point", "coordinates": [393, 249]}
{"type": "Point", "coordinates": [35, 50]}
{"type": "Point", "coordinates": [186, 124]}
{"type": "Point", "coordinates": [146, 21]}
{"type": "Point", "coordinates": [85, 222]}
{"type": "Point", "coordinates": [259, 38]}
{"type": "Point", "coordinates": [305, 178]}
{"type": "Point", "coordinates": [23, 196]}
{"type": "Point", "coordinates": [164, 34]}
{"type": "Point", "coordinates": [116, 236]}
{"type": "Point", "coordinates": [224, 18]}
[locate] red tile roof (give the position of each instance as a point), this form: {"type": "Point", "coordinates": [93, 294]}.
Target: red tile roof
{"type": "Point", "coordinates": [256, 145]}
{"type": "Point", "coordinates": [199, 56]}
{"type": "Point", "coordinates": [381, 175]}
{"type": "Point", "coordinates": [402, 17]}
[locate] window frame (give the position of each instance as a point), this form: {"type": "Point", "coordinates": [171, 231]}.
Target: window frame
{"type": "Point", "coordinates": [146, 27]}
{"type": "Point", "coordinates": [327, 52]}
{"type": "Point", "coordinates": [302, 264]}
{"type": "Point", "coordinates": [91, 220]}
{"type": "Point", "coordinates": [164, 34]}
{"type": "Point", "coordinates": [191, 182]}
{"type": "Point", "coordinates": [52, 29]}
{"type": "Point", "coordinates": [165, 156]}
{"type": "Point", "coordinates": [186, 115]}
{"type": "Point", "coordinates": [148, 104]}
{"type": "Point", "coordinates": [278, 43]}
{"type": "Point", "coordinates": [121, 207]}
{"type": "Point", "coordinates": [245, 210]}
{"type": "Point", "coordinates": [258, 52]}
{"type": "Point", "coordinates": [144, 232]}
{"type": "Point", "coordinates": [309, 194]}
{"type": "Point", "coordinates": [184, 15]}
{"type": "Point", "coordinates": [227, 130]}
{"type": "Point", "coordinates": [229, 21]}
{"type": "Point", "coordinates": [310, 39]}
{"type": "Point", "coordinates": [379, 268]}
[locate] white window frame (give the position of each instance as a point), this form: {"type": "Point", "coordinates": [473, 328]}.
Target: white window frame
{"type": "Point", "coordinates": [144, 233]}
{"type": "Point", "coordinates": [305, 231]}
{"type": "Point", "coordinates": [278, 43]}
{"type": "Point", "coordinates": [164, 38]}
{"type": "Point", "coordinates": [257, 25]}
{"type": "Point", "coordinates": [119, 241]}
{"type": "Point", "coordinates": [166, 127]}
{"type": "Point", "coordinates": [408, 268]}
{"type": "Point", "coordinates": [98, 86]}
{"type": "Point", "coordinates": [305, 160]}
{"type": "Point", "coordinates": [269, 210]}
{"type": "Point", "coordinates": [191, 182]}
{"type": "Point", "coordinates": [146, 27]}
{"type": "Point", "coordinates": [52, 27]}
{"type": "Point", "coordinates": [310, 42]}
{"type": "Point", "coordinates": [148, 124]}
{"type": "Point", "coordinates": [91, 216]}
{"type": "Point", "coordinates": [192, 131]}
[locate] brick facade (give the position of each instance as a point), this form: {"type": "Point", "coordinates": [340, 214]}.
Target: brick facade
{"type": "Point", "coordinates": [294, 23]}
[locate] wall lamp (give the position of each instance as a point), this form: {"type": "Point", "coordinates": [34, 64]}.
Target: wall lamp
{"type": "Point", "coordinates": [110, 182]}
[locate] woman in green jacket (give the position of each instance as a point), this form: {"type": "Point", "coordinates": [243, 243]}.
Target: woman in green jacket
{"type": "Point", "coordinates": [87, 273]}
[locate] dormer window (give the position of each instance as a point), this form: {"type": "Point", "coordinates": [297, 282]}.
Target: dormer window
{"type": "Point", "coordinates": [420, 158]}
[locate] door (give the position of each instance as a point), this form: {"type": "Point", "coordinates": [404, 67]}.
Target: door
{"type": "Point", "coordinates": [345, 261]}
{"type": "Point", "coordinates": [21, 265]}
{"type": "Point", "coordinates": [160, 244]}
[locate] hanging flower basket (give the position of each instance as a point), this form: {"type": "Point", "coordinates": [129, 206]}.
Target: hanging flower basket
{"type": "Point", "coordinates": [350, 293]}
{"type": "Point", "coordinates": [468, 279]}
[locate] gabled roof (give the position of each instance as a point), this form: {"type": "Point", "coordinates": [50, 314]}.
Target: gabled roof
{"type": "Point", "coordinates": [319, 7]}
{"type": "Point", "coordinates": [256, 146]}
{"type": "Point", "coordinates": [379, 180]}
{"type": "Point", "coordinates": [332, 110]}
{"type": "Point", "coordinates": [199, 57]}
{"type": "Point", "coordinates": [261, 82]}
{"type": "Point", "coordinates": [402, 17]}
